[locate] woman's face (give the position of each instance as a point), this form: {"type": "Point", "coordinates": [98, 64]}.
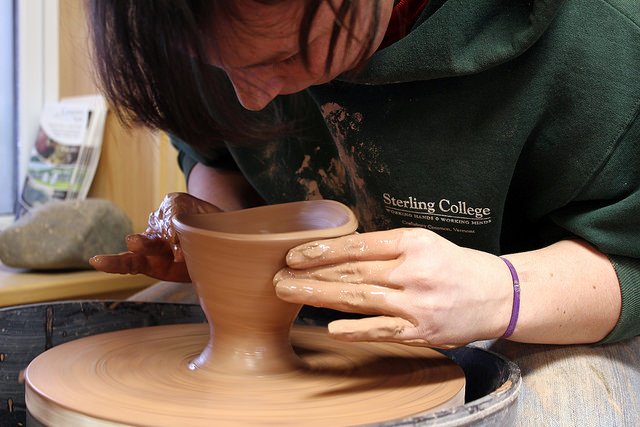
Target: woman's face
{"type": "Point", "coordinates": [261, 56]}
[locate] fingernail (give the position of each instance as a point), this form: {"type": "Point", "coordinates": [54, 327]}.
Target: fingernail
{"type": "Point", "coordinates": [283, 274]}
{"type": "Point", "coordinates": [294, 257]}
{"type": "Point", "coordinates": [283, 291]}
{"type": "Point", "coordinates": [178, 254]}
{"type": "Point", "coordinates": [307, 252]}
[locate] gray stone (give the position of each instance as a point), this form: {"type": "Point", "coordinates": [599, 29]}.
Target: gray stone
{"type": "Point", "coordinates": [64, 235]}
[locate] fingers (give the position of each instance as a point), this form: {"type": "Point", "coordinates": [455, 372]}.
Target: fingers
{"type": "Point", "coordinates": [356, 272]}
{"type": "Point", "coordinates": [147, 244]}
{"type": "Point", "coordinates": [157, 251]}
{"type": "Point", "coordinates": [382, 245]}
{"type": "Point", "coordinates": [159, 267]}
{"type": "Point", "coordinates": [124, 263]}
{"type": "Point", "coordinates": [381, 328]}
{"type": "Point", "coordinates": [160, 234]}
{"type": "Point", "coordinates": [101, 263]}
{"type": "Point", "coordinates": [357, 287]}
{"type": "Point", "coordinates": [347, 297]}
{"type": "Point", "coordinates": [152, 244]}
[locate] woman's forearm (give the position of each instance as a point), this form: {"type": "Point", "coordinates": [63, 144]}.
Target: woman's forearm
{"type": "Point", "coordinates": [569, 294]}
{"type": "Point", "coordinates": [227, 189]}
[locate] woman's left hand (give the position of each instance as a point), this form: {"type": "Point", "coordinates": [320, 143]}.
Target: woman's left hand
{"type": "Point", "coordinates": [424, 289]}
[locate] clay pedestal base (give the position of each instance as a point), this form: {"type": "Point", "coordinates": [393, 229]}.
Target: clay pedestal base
{"type": "Point", "coordinates": [143, 377]}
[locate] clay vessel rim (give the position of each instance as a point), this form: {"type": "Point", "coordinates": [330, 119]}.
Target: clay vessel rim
{"type": "Point", "coordinates": [183, 223]}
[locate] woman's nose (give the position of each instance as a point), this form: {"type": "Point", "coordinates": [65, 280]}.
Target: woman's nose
{"type": "Point", "coordinates": [253, 91]}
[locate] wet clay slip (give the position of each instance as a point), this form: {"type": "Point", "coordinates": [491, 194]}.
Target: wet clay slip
{"type": "Point", "coordinates": [248, 366]}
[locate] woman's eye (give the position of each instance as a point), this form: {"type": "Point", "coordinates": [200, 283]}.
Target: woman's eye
{"type": "Point", "coordinates": [291, 59]}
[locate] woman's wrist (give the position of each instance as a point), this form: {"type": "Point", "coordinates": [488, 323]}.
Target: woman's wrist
{"type": "Point", "coordinates": [569, 294]}
{"type": "Point", "coordinates": [495, 313]}
{"type": "Point", "coordinates": [515, 307]}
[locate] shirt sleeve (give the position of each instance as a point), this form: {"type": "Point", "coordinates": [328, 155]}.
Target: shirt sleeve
{"type": "Point", "coordinates": [218, 157]}
{"type": "Point", "coordinates": [628, 271]}
{"type": "Point", "coordinates": [607, 214]}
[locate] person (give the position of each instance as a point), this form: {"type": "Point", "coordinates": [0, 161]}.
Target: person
{"type": "Point", "coordinates": [489, 150]}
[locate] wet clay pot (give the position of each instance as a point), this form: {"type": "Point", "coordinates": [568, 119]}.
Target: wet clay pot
{"type": "Point", "coordinates": [232, 258]}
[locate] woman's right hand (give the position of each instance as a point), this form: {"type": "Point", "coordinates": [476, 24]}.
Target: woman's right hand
{"type": "Point", "coordinates": [156, 252]}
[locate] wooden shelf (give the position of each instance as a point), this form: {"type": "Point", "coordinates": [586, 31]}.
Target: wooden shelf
{"type": "Point", "coordinates": [18, 286]}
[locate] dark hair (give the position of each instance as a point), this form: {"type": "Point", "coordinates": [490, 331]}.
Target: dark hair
{"type": "Point", "coordinates": [150, 63]}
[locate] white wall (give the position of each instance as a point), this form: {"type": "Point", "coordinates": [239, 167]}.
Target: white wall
{"type": "Point", "coordinates": [38, 70]}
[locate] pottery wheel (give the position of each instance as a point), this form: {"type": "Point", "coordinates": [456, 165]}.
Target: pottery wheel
{"type": "Point", "coordinates": [142, 377]}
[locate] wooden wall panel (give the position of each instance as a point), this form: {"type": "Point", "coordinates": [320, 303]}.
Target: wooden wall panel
{"type": "Point", "coordinates": [75, 76]}
{"type": "Point", "coordinates": [137, 167]}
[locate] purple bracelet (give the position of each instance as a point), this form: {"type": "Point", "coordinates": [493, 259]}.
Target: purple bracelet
{"type": "Point", "coordinates": [516, 299]}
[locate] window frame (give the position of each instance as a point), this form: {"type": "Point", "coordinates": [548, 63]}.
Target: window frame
{"type": "Point", "coordinates": [8, 118]}
{"type": "Point", "coordinates": [37, 74]}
